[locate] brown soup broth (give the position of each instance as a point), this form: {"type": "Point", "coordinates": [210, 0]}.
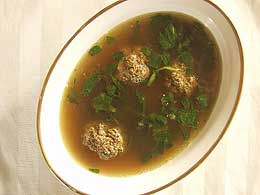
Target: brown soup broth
{"type": "Point", "coordinates": [73, 117]}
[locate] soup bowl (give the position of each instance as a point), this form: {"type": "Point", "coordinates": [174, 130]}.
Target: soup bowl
{"type": "Point", "coordinates": [80, 180]}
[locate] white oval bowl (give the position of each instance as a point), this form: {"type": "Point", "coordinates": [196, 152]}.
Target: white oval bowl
{"type": "Point", "coordinates": [77, 178]}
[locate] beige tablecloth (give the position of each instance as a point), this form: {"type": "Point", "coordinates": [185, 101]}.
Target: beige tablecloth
{"type": "Point", "coordinates": [31, 34]}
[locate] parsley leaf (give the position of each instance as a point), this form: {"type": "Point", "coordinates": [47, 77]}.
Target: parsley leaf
{"type": "Point", "coordinates": [160, 20]}
{"type": "Point", "coordinates": [103, 103]}
{"type": "Point", "coordinates": [167, 99]}
{"type": "Point", "coordinates": [168, 38]}
{"type": "Point", "coordinates": [187, 118]}
{"type": "Point", "coordinates": [118, 55]}
{"type": "Point", "coordinates": [156, 121]}
{"type": "Point", "coordinates": [90, 83]}
{"type": "Point", "coordinates": [188, 115]}
{"type": "Point", "coordinates": [110, 39]}
{"type": "Point", "coordinates": [166, 59]}
{"type": "Point", "coordinates": [72, 99]}
{"type": "Point", "coordinates": [186, 57]}
{"type": "Point", "coordinates": [94, 170]}
{"type": "Point", "coordinates": [186, 103]}
{"type": "Point", "coordinates": [140, 102]}
{"type": "Point", "coordinates": [147, 51]}
{"type": "Point", "coordinates": [111, 68]}
{"type": "Point", "coordinates": [162, 139]}
{"type": "Point", "coordinates": [203, 100]}
{"type": "Point", "coordinates": [95, 50]}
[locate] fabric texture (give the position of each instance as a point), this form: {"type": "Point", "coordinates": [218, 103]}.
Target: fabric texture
{"type": "Point", "coordinates": [31, 34]}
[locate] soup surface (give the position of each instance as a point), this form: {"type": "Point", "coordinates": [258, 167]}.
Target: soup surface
{"type": "Point", "coordinates": [158, 109]}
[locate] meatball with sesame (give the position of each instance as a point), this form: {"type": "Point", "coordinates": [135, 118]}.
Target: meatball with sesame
{"type": "Point", "coordinates": [179, 81]}
{"type": "Point", "coordinates": [133, 69]}
{"type": "Point", "coordinates": [107, 142]}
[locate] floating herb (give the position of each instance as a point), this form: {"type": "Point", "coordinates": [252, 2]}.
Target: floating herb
{"type": "Point", "coordinates": [95, 50]}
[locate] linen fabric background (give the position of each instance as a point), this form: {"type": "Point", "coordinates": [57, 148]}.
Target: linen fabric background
{"type": "Point", "coordinates": [31, 34]}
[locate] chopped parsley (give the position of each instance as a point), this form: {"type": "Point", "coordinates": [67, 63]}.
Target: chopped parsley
{"type": "Point", "coordinates": [147, 51]}
{"type": "Point", "coordinates": [118, 55]}
{"type": "Point", "coordinates": [160, 21]}
{"type": "Point", "coordinates": [202, 100]}
{"type": "Point", "coordinates": [168, 38]}
{"type": "Point", "coordinates": [111, 68]}
{"type": "Point", "coordinates": [186, 57]}
{"type": "Point", "coordinates": [90, 84]}
{"type": "Point", "coordinates": [187, 116]}
{"type": "Point", "coordinates": [73, 96]}
{"type": "Point", "coordinates": [93, 170]}
{"type": "Point", "coordinates": [110, 40]}
{"type": "Point", "coordinates": [95, 50]}
{"type": "Point", "coordinates": [167, 99]}
{"type": "Point", "coordinates": [103, 103]}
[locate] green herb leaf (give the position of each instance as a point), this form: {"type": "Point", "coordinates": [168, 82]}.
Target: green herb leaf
{"type": "Point", "coordinates": [189, 70]}
{"type": "Point", "coordinates": [186, 103]}
{"type": "Point", "coordinates": [168, 38]}
{"type": "Point", "coordinates": [118, 55]}
{"type": "Point", "coordinates": [111, 68]}
{"type": "Point", "coordinates": [110, 40]}
{"type": "Point", "coordinates": [157, 121]}
{"type": "Point", "coordinates": [187, 118]}
{"type": "Point", "coordinates": [111, 90]}
{"type": "Point", "coordinates": [72, 99]}
{"type": "Point", "coordinates": [117, 83]}
{"type": "Point", "coordinates": [162, 139]}
{"type": "Point", "coordinates": [203, 101]}
{"type": "Point", "coordinates": [155, 60]}
{"type": "Point", "coordinates": [90, 83]}
{"type": "Point", "coordinates": [103, 103]}
{"type": "Point", "coordinates": [185, 134]}
{"type": "Point", "coordinates": [147, 51]}
{"type": "Point", "coordinates": [94, 170]}
{"type": "Point", "coordinates": [160, 21]}
{"type": "Point", "coordinates": [167, 99]}
{"type": "Point", "coordinates": [186, 57]}
{"type": "Point", "coordinates": [140, 102]}
{"type": "Point", "coordinates": [166, 59]}
{"type": "Point", "coordinates": [95, 50]}
{"type": "Point", "coordinates": [151, 79]}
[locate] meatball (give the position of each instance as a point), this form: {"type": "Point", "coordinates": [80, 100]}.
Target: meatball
{"type": "Point", "coordinates": [133, 69]}
{"type": "Point", "coordinates": [106, 142]}
{"type": "Point", "coordinates": [179, 81]}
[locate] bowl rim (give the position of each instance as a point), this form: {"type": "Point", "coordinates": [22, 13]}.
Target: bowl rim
{"type": "Point", "coordinates": [199, 161]}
